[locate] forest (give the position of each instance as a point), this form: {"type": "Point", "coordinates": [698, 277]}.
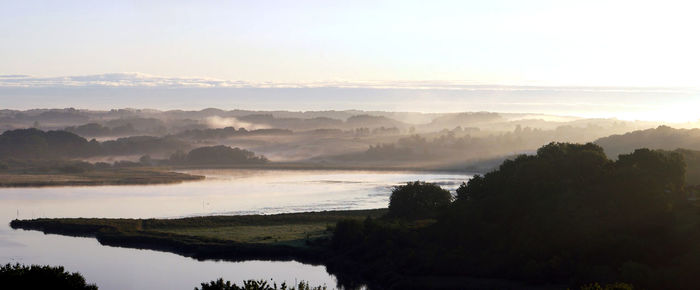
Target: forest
{"type": "Point", "coordinates": [567, 216]}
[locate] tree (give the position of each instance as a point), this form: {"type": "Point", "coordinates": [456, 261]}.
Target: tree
{"type": "Point", "coordinates": [553, 211]}
{"type": "Point", "coordinates": [146, 160]}
{"type": "Point", "coordinates": [417, 200]}
{"type": "Point", "coordinates": [41, 277]}
{"type": "Point", "coordinates": [178, 156]}
{"type": "Point", "coordinates": [223, 155]}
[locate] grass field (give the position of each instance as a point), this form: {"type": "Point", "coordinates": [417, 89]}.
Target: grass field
{"type": "Point", "coordinates": [294, 234]}
{"type": "Point", "coordinates": [292, 229]}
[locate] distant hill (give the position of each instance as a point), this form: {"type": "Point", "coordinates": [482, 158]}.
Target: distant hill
{"type": "Point", "coordinates": [662, 137]}
{"type": "Point", "coordinates": [222, 133]}
{"type": "Point", "coordinates": [136, 145]}
{"type": "Point", "coordinates": [304, 124]}
{"type": "Point", "coordinates": [368, 121]}
{"type": "Point", "coordinates": [219, 155]}
{"type": "Point", "coordinates": [464, 120]}
{"type": "Point", "coordinates": [270, 121]}
{"type": "Point", "coordinates": [692, 162]}
{"type": "Point", "coordinates": [35, 144]}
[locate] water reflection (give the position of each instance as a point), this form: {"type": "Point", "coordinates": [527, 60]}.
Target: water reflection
{"type": "Point", "coordinates": [223, 192]}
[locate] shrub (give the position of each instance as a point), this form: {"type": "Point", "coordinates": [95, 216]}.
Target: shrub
{"type": "Point", "coordinates": [255, 285]}
{"type": "Point", "coordinates": [41, 277]}
{"type": "Point", "coordinates": [417, 200]}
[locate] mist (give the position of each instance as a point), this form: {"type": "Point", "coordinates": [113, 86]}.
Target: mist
{"type": "Point", "coordinates": [219, 122]}
{"type": "Point", "coordinates": [346, 139]}
{"type": "Point", "coordinates": [625, 103]}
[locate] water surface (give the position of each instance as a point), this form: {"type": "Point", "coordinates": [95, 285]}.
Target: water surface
{"type": "Point", "coordinates": [222, 192]}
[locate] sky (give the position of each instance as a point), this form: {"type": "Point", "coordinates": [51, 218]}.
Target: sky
{"type": "Point", "coordinates": [312, 46]}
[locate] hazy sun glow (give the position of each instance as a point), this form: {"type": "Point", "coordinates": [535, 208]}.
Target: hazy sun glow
{"type": "Point", "coordinates": [641, 43]}
{"type": "Point", "coordinates": [361, 43]}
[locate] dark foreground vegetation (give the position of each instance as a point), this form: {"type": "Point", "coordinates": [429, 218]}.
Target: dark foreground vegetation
{"type": "Point", "coordinates": [565, 217]}
{"type": "Point", "coordinates": [41, 277]}
{"type": "Point", "coordinates": [256, 285]}
{"type": "Point", "coordinates": [294, 236]}
{"type": "Point", "coordinates": [47, 277]}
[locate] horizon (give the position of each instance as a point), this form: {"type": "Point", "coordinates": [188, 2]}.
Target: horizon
{"type": "Point", "coordinates": [629, 60]}
{"type": "Point", "coordinates": [123, 90]}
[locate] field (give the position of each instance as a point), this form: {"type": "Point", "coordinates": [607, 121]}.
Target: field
{"type": "Point", "coordinates": [284, 234]}
{"type": "Point", "coordinates": [277, 237]}
{"type": "Point", "coordinates": [120, 176]}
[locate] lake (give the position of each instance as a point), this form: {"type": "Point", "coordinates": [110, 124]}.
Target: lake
{"type": "Point", "coordinates": [223, 192]}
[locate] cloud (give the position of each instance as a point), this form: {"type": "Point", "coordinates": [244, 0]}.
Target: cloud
{"type": "Point", "coordinates": [113, 80]}
{"type": "Point", "coordinates": [141, 80]}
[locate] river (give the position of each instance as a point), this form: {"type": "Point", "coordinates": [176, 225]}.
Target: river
{"type": "Point", "coordinates": [223, 192]}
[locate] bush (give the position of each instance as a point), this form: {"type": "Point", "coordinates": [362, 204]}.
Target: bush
{"type": "Point", "coordinates": [223, 155]}
{"type": "Point", "coordinates": [613, 286]}
{"type": "Point", "coordinates": [41, 277]}
{"type": "Point", "coordinates": [76, 167]}
{"type": "Point", "coordinates": [255, 285]}
{"type": "Point", "coordinates": [417, 200]}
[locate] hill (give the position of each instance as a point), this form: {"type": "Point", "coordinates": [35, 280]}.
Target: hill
{"type": "Point", "coordinates": [35, 144]}
{"type": "Point", "coordinates": [662, 137]}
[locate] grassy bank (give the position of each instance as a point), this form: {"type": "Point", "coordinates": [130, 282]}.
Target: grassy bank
{"type": "Point", "coordinates": [112, 176]}
{"type": "Point", "coordinates": [297, 236]}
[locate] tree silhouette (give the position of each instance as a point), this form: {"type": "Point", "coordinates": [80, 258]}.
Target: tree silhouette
{"type": "Point", "coordinates": [417, 200]}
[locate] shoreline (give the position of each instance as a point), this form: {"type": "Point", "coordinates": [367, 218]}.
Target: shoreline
{"type": "Point", "coordinates": [320, 167]}
{"type": "Point", "coordinates": [158, 235]}
{"type": "Point", "coordinates": [162, 234]}
{"type": "Point", "coordinates": [136, 176]}
{"type": "Point", "coordinates": [174, 174]}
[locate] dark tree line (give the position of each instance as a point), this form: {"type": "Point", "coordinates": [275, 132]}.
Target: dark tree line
{"type": "Point", "coordinates": [662, 137]}
{"type": "Point", "coordinates": [36, 144]}
{"type": "Point", "coordinates": [217, 155]}
{"type": "Point", "coordinates": [53, 150]}
{"type": "Point", "coordinates": [95, 130]}
{"type": "Point", "coordinates": [567, 215]}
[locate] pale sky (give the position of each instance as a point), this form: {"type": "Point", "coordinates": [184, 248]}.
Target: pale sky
{"type": "Point", "coordinates": [644, 43]}
{"type": "Point", "coordinates": [538, 43]}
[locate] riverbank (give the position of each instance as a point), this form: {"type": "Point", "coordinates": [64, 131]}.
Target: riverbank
{"type": "Point", "coordinates": [331, 166]}
{"type": "Point", "coordinates": [112, 176]}
{"type": "Point", "coordinates": [281, 237]}
{"type": "Point", "coordinates": [303, 237]}
{"type": "Point", "coordinates": [168, 175]}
